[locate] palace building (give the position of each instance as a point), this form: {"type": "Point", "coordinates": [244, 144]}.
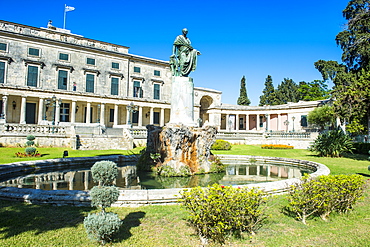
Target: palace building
{"type": "Point", "coordinates": [68, 90]}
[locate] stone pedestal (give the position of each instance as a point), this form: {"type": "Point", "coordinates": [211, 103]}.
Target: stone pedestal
{"type": "Point", "coordinates": [182, 148]}
{"type": "Point", "coordinates": [182, 101]}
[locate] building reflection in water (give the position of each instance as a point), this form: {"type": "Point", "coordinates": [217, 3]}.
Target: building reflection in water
{"type": "Point", "coordinates": [71, 180]}
{"type": "Point", "coordinates": [236, 174]}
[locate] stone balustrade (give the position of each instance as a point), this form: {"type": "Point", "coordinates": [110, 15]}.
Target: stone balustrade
{"type": "Point", "coordinates": [22, 129]}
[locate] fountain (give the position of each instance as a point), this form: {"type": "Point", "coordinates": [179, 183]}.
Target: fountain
{"type": "Point", "coordinates": [184, 148]}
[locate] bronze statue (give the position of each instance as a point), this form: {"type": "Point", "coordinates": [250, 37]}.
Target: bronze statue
{"type": "Point", "coordinates": [184, 57]}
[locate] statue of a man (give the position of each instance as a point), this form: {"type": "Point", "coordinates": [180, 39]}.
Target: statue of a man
{"type": "Point", "coordinates": [184, 57]}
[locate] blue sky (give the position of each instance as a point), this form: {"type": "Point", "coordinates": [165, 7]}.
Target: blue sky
{"type": "Point", "coordinates": [252, 38]}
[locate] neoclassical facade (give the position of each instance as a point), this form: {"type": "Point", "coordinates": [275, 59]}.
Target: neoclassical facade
{"type": "Point", "coordinates": [50, 77]}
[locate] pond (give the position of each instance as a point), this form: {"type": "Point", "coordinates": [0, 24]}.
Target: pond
{"type": "Point", "coordinates": [238, 172]}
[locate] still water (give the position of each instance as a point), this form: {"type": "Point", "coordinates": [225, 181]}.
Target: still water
{"type": "Point", "coordinates": [237, 173]}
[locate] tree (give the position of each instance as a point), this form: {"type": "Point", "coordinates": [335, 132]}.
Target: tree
{"type": "Point", "coordinates": [351, 89]}
{"type": "Point", "coordinates": [286, 92]}
{"type": "Point", "coordinates": [268, 97]}
{"type": "Point", "coordinates": [322, 116]}
{"type": "Point", "coordinates": [355, 40]}
{"type": "Point", "coordinates": [243, 98]}
{"type": "Point", "coordinates": [315, 90]}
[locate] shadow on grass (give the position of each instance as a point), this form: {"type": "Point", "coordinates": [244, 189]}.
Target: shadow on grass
{"type": "Point", "coordinates": [42, 155]}
{"type": "Point", "coordinates": [131, 220]}
{"type": "Point", "coordinates": [17, 218]}
{"type": "Point", "coordinates": [356, 156]}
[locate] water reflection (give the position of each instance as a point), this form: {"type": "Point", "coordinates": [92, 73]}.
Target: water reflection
{"type": "Point", "coordinates": [128, 178]}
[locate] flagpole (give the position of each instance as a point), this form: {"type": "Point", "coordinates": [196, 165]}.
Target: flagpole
{"type": "Point", "coordinates": [64, 25]}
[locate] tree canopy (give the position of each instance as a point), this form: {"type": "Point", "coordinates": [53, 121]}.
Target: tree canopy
{"type": "Point", "coordinates": [268, 96]}
{"type": "Point", "coordinates": [351, 89]}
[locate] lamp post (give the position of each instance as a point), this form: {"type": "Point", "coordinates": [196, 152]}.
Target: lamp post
{"type": "Point", "coordinates": [286, 123]}
{"type": "Point", "coordinates": [293, 122]}
{"type": "Point", "coordinates": [131, 109]}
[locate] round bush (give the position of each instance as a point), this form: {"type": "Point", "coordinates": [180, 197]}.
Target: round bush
{"type": "Point", "coordinates": [30, 143]}
{"type": "Point", "coordinates": [103, 196]}
{"type": "Point", "coordinates": [30, 150]}
{"type": "Point", "coordinates": [102, 227]}
{"type": "Point", "coordinates": [104, 172]}
{"type": "Point", "coordinates": [221, 145]}
{"type": "Point", "coordinates": [31, 137]}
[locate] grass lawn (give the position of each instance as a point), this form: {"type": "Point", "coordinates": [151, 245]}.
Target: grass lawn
{"type": "Point", "coordinates": [34, 225]}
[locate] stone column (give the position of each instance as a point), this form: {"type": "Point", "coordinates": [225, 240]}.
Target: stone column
{"type": "Point", "coordinates": [115, 120]}
{"type": "Point", "coordinates": [128, 116]}
{"type": "Point", "coordinates": [102, 114]}
{"type": "Point", "coordinates": [162, 117]}
{"type": "Point", "coordinates": [279, 122]}
{"type": "Point", "coordinates": [151, 117]}
{"type": "Point", "coordinates": [41, 111]}
{"type": "Point", "coordinates": [57, 111]}
{"type": "Point", "coordinates": [247, 122]}
{"type": "Point", "coordinates": [73, 112]}
{"type": "Point", "coordinates": [4, 108]}
{"type": "Point", "coordinates": [23, 110]}
{"type": "Point", "coordinates": [88, 112]}
{"type": "Point", "coordinates": [140, 123]}
{"type": "Point", "coordinates": [257, 122]}
{"type": "Point", "coordinates": [267, 116]}
{"type": "Point", "coordinates": [237, 122]}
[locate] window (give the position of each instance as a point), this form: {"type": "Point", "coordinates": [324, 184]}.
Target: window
{"type": "Point", "coordinates": [137, 69]}
{"type": "Point", "coordinates": [90, 61]}
{"type": "Point", "coordinates": [111, 115]}
{"type": "Point", "coordinates": [3, 46]}
{"type": "Point", "coordinates": [2, 72]}
{"type": "Point", "coordinates": [157, 91]}
{"type": "Point", "coordinates": [138, 92]}
{"type": "Point", "coordinates": [114, 86]}
{"type": "Point", "coordinates": [156, 118]}
{"type": "Point", "coordinates": [64, 112]}
{"type": "Point", "coordinates": [32, 76]}
{"type": "Point", "coordinates": [157, 73]}
{"type": "Point", "coordinates": [62, 79]}
{"type": "Point", "coordinates": [304, 121]}
{"type": "Point", "coordinates": [115, 65]}
{"type": "Point", "coordinates": [261, 121]}
{"type": "Point", "coordinates": [34, 52]}
{"type": "Point", "coordinates": [135, 117]}
{"type": "Point", "coordinates": [90, 81]}
{"type": "Point", "coordinates": [63, 56]}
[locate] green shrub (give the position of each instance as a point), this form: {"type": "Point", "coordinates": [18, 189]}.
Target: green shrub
{"type": "Point", "coordinates": [361, 147]}
{"type": "Point", "coordinates": [102, 227]}
{"type": "Point", "coordinates": [30, 150]}
{"type": "Point", "coordinates": [332, 143]}
{"type": "Point", "coordinates": [104, 172]}
{"type": "Point", "coordinates": [221, 145]}
{"type": "Point", "coordinates": [216, 165]}
{"type": "Point", "coordinates": [104, 196]}
{"type": "Point", "coordinates": [218, 211]}
{"type": "Point", "coordinates": [31, 137]}
{"type": "Point", "coordinates": [325, 194]}
{"type": "Point", "coordinates": [30, 141]}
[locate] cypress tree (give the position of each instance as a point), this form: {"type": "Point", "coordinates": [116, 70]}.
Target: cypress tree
{"type": "Point", "coordinates": [243, 97]}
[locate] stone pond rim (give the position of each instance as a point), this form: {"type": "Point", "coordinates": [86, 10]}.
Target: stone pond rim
{"type": "Point", "coordinates": [129, 197]}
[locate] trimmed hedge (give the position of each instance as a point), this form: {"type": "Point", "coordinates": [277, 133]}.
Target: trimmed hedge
{"type": "Point", "coordinates": [361, 148]}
